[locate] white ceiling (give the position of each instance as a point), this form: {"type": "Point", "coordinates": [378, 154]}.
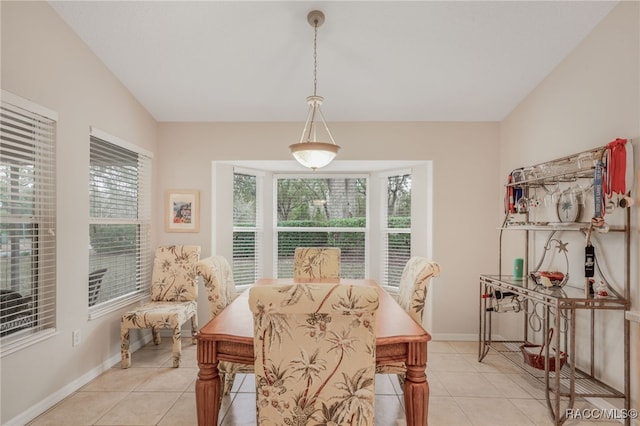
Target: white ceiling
{"type": "Point", "coordinates": [377, 61]}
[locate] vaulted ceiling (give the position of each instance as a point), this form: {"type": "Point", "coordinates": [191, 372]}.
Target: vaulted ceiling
{"type": "Point", "coordinates": [377, 60]}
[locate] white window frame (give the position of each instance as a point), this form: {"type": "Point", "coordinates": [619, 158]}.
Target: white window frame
{"type": "Point", "coordinates": [421, 209]}
{"type": "Point", "coordinates": [259, 226]}
{"type": "Point", "coordinates": [384, 229]}
{"type": "Point", "coordinates": [46, 260]}
{"type": "Point", "coordinates": [320, 175]}
{"type": "Point", "coordinates": [145, 251]}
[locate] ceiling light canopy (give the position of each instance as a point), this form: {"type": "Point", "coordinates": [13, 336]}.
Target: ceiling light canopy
{"type": "Point", "coordinates": [312, 151]}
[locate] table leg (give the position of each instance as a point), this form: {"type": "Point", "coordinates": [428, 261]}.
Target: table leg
{"type": "Point", "coordinates": [207, 385]}
{"type": "Point", "coordinates": [416, 386]}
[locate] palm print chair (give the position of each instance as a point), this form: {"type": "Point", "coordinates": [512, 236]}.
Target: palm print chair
{"type": "Point", "coordinates": [414, 285]}
{"type": "Point", "coordinates": [221, 290]}
{"type": "Point", "coordinates": [315, 354]}
{"type": "Point", "coordinates": [174, 294]}
{"type": "Point", "coordinates": [316, 262]}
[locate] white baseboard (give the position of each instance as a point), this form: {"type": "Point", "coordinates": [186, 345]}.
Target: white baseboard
{"type": "Point", "coordinates": [604, 405]}
{"type": "Point", "coordinates": [632, 316]}
{"type": "Point", "coordinates": [39, 408]}
{"type": "Point", "coordinates": [443, 337]}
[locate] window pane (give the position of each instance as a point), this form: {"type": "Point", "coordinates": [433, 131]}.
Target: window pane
{"type": "Point", "coordinates": [245, 257]}
{"type": "Point", "coordinates": [113, 177]}
{"type": "Point", "coordinates": [119, 230]}
{"type": "Point", "coordinates": [398, 253]}
{"type": "Point", "coordinates": [307, 206]}
{"type": "Point", "coordinates": [244, 200]}
{"type": "Point", "coordinates": [351, 244]}
{"type": "Point", "coordinates": [247, 223]}
{"type": "Point", "coordinates": [27, 226]}
{"type": "Point", "coordinates": [399, 201]}
{"type": "Point", "coordinates": [18, 278]}
{"type": "Point", "coordinates": [115, 248]}
{"type": "Point", "coordinates": [397, 236]}
{"type": "Point", "coordinates": [326, 202]}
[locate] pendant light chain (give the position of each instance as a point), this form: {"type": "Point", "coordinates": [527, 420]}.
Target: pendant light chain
{"type": "Point", "coordinates": [315, 57]}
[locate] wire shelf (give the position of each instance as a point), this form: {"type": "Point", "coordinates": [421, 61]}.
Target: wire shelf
{"type": "Point", "coordinates": [585, 385]}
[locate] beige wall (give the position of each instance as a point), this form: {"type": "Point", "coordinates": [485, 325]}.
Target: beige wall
{"type": "Point", "coordinates": [591, 98]}
{"type": "Point", "coordinates": [42, 60]}
{"type": "Point", "coordinates": [464, 179]}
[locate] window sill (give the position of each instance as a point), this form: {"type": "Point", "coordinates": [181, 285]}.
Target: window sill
{"type": "Point", "coordinates": [19, 344]}
{"type": "Point", "coordinates": [106, 308]}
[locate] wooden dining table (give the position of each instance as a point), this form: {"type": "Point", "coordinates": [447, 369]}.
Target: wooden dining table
{"type": "Point", "coordinates": [229, 337]}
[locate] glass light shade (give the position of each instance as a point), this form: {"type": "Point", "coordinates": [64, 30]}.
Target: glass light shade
{"type": "Point", "coordinates": [314, 155]}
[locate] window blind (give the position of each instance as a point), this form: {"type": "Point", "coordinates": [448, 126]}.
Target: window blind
{"type": "Point", "coordinates": [397, 227]}
{"type": "Point", "coordinates": [324, 211]}
{"type": "Point", "coordinates": [119, 222]}
{"type": "Point", "coordinates": [247, 228]}
{"type": "Point", "coordinates": [28, 219]}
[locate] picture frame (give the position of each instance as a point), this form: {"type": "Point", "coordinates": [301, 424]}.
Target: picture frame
{"type": "Point", "coordinates": [182, 210]}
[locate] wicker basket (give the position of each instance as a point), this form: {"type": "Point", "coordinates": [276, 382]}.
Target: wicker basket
{"type": "Point", "coordinates": [532, 355]}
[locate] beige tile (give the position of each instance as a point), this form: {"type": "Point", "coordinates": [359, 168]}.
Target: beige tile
{"type": "Point", "coordinates": [535, 410]}
{"type": "Point", "coordinates": [465, 347]}
{"type": "Point", "coordinates": [399, 387]}
{"type": "Point", "coordinates": [440, 347]}
{"type": "Point", "coordinates": [242, 411]}
{"type": "Point", "coordinates": [118, 379]}
{"type": "Point", "coordinates": [248, 384]}
{"type": "Point", "coordinates": [237, 382]}
{"type": "Point", "coordinates": [384, 384]}
{"type": "Point", "coordinates": [508, 387]}
{"type": "Point", "coordinates": [151, 357]}
{"type": "Point", "coordinates": [444, 411]}
{"type": "Point", "coordinates": [225, 403]}
{"type": "Point", "coordinates": [436, 388]}
{"type": "Point", "coordinates": [492, 412]}
{"type": "Point", "coordinates": [169, 379]}
{"type": "Point", "coordinates": [81, 408]}
{"type": "Point", "coordinates": [188, 357]}
{"type": "Point", "coordinates": [532, 386]}
{"type": "Point", "coordinates": [492, 363]}
{"type": "Point", "coordinates": [182, 413]}
{"type": "Point", "coordinates": [462, 392]}
{"type": "Point", "coordinates": [140, 408]}
{"type": "Point", "coordinates": [469, 385]}
{"type": "Point", "coordinates": [389, 411]}
{"type": "Point", "coordinates": [449, 362]}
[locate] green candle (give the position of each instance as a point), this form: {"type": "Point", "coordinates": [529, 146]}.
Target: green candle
{"type": "Point", "coordinates": [518, 267]}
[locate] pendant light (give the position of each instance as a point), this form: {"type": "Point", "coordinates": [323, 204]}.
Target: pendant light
{"type": "Point", "coordinates": [311, 152]}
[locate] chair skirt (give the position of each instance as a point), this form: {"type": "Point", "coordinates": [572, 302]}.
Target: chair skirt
{"type": "Point", "coordinates": [157, 315]}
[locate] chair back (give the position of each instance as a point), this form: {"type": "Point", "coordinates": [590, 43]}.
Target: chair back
{"type": "Point", "coordinates": [218, 280]}
{"type": "Point", "coordinates": [315, 354]}
{"type": "Point", "coordinates": [174, 274]}
{"type": "Point", "coordinates": [414, 285]}
{"type": "Point", "coordinates": [95, 281]}
{"type": "Point", "coordinates": [316, 262]}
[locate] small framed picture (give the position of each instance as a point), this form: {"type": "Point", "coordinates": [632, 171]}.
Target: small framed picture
{"type": "Point", "coordinates": [182, 211]}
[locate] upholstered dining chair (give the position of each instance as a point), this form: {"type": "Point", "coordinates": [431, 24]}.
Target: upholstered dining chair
{"type": "Point", "coordinates": [217, 276]}
{"type": "Point", "coordinates": [174, 294]}
{"type": "Point", "coordinates": [414, 286]}
{"type": "Point", "coordinates": [316, 262]}
{"type": "Point", "coordinates": [315, 354]}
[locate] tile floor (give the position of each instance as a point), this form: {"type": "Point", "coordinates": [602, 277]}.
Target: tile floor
{"type": "Point", "coordinates": [462, 392]}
